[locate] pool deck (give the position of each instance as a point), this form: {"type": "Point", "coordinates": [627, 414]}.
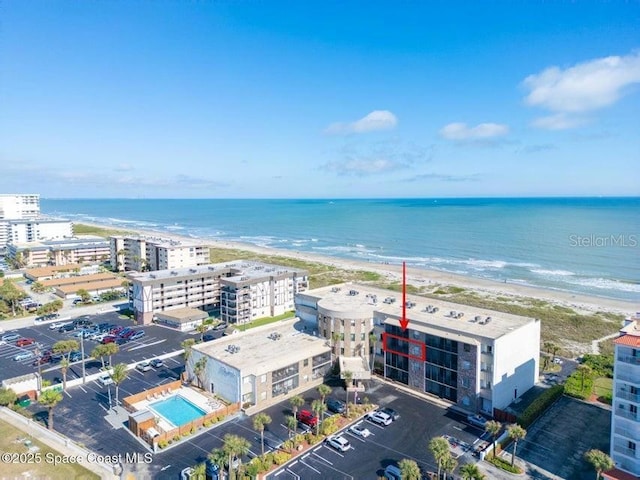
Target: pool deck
{"type": "Point", "coordinates": [203, 402]}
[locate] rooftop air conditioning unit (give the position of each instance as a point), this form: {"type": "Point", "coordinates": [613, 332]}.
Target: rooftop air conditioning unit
{"type": "Point", "coordinates": [487, 320]}
{"type": "Point", "coordinates": [477, 318]}
{"type": "Point", "coordinates": [460, 315]}
{"type": "Point", "coordinates": [453, 313]}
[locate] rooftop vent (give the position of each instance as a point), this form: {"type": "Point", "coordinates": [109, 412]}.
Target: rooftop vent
{"type": "Point", "coordinates": [389, 300]}
{"type": "Point", "coordinates": [173, 272]}
{"type": "Point", "coordinates": [152, 275]}
{"type": "Point", "coordinates": [233, 349]}
{"type": "Point", "coordinates": [477, 318]}
{"type": "Point", "coordinates": [353, 293]}
{"type": "Point", "coordinates": [192, 270]}
{"type": "Point", "coordinates": [460, 315]}
{"type": "Point", "coordinates": [275, 336]}
{"type": "Point", "coordinates": [453, 314]}
{"type": "Point", "coordinates": [335, 289]}
{"type": "Point", "coordinates": [487, 320]}
{"type": "Point", "coordinates": [411, 304]}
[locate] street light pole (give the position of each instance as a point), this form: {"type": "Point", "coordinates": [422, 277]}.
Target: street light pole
{"type": "Point", "coordinates": [84, 373]}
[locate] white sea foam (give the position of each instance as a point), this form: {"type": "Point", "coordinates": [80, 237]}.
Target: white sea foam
{"type": "Point", "coordinates": [544, 272]}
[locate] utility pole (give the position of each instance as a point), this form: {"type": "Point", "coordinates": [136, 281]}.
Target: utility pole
{"type": "Point", "coordinates": [84, 373]}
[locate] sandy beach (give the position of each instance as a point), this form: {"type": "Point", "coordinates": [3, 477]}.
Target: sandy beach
{"type": "Point", "coordinates": [420, 277]}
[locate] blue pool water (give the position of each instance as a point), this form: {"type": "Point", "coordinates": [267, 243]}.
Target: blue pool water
{"type": "Point", "coordinates": [177, 410]}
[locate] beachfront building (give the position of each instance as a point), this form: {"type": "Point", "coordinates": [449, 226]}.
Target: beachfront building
{"type": "Point", "coordinates": [140, 253]}
{"type": "Point", "coordinates": [80, 249]}
{"type": "Point", "coordinates": [240, 291]}
{"type": "Point", "coordinates": [19, 206]}
{"type": "Point", "coordinates": [261, 366]}
{"type": "Point", "coordinates": [20, 220]}
{"type": "Point", "coordinates": [94, 284]}
{"type": "Point", "coordinates": [625, 419]}
{"type": "Point", "coordinates": [479, 359]}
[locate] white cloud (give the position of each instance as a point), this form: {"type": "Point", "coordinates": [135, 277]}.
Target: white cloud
{"type": "Point", "coordinates": [559, 121]}
{"type": "Point", "coordinates": [586, 86]}
{"type": "Point", "coordinates": [362, 167]}
{"type": "Point", "coordinates": [376, 120]}
{"type": "Point", "coordinates": [483, 131]}
{"type": "Point", "coordinates": [124, 167]}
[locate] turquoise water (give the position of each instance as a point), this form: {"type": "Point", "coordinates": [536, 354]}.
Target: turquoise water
{"type": "Point", "coordinates": [177, 410]}
{"type": "Point", "coordinates": [582, 245]}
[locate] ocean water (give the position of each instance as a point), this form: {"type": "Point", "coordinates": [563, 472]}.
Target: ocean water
{"type": "Point", "coordinates": [582, 245]}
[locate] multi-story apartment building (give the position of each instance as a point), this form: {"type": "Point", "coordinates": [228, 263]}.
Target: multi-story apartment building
{"type": "Point", "coordinates": [34, 230]}
{"type": "Point", "coordinates": [261, 366]}
{"type": "Point", "coordinates": [251, 290]}
{"type": "Point", "coordinates": [625, 419]}
{"type": "Point", "coordinates": [152, 253]}
{"type": "Point", "coordinates": [84, 249]}
{"type": "Point", "coordinates": [19, 206]}
{"type": "Point", "coordinates": [475, 358]}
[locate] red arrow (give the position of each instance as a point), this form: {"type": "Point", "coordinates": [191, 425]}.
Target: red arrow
{"type": "Point", "coordinates": [404, 322]}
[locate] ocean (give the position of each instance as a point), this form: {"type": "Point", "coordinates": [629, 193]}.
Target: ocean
{"type": "Point", "coordinates": [581, 245]}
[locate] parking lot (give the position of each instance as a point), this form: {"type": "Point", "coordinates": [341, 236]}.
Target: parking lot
{"type": "Point", "coordinates": [155, 342]}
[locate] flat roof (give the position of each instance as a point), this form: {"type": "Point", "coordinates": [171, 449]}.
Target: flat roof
{"type": "Point", "coordinates": [90, 286]}
{"type": "Point", "coordinates": [232, 271]}
{"type": "Point", "coordinates": [261, 353]}
{"type": "Point", "coordinates": [45, 271]}
{"type": "Point", "coordinates": [388, 303]}
{"type": "Point", "coordinates": [86, 241]}
{"type": "Point", "coordinates": [183, 315]}
{"type": "Point", "coordinates": [161, 241]}
{"type": "Point", "coordinates": [54, 282]}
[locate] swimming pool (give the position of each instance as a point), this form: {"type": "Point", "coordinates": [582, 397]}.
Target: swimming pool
{"type": "Point", "coordinates": [177, 410]}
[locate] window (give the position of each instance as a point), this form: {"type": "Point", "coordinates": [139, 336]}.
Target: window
{"type": "Point", "coordinates": [466, 365]}
{"type": "Point", "coordinates": [306, 362]}
{"type": "Point", "coordinates": [352, 337]}
{"type": "Point", "coordinates": [465, 382]}
{"type": "Point", "coordinates": [263, 378]}
{"type": "Point", "coordinates": [466, 347]}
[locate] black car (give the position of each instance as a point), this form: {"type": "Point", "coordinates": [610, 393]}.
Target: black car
{"type": "Point", "coordinates": [75, 356]}
{"type": "Point", "coordinates": [156, 363]}
{"type": "Point", "coordinates": [122, 340]}
{"type": "Point", "coordinates": [82, 322]}
{"type": "Point", "coordinates": [207, 337]}
{"type": "Point", "coordinates": [336, 406]}
{"type": "Point", "coordinates": [391, 412]}
{"type": "Point", "coordinates": [67, 328]}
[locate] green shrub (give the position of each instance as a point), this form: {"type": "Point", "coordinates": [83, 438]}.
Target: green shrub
{"type": "Point", "coordinates": [504, 465]}
{"type": "Point", "coordinates": [280, 458]}
{"type": "Point", "coordinates": [574, 386]}
{"type": "Point", "coordinates": [540, 404]}
{"type": "Point", "coordinates": [602, 365]}
{"type": "Point", "coordinates": [163, 443]}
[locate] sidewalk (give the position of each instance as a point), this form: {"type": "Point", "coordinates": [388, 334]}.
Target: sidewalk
{"type": "Point", "coordinates": [57, 442]}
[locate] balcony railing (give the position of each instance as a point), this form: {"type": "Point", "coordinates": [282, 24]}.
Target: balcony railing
{"type": "Point", "coordinates": [634, 397]}
{"type": "Point", "coordinates": [627, 432]}
{"type": "Point", "coordinates": [627, 414]}
{"type": "Point", "coordinates": [629, 452]}
{"type": "Point", "coordinates": [627, 377]}
{"type": "Point", "coordinates": [629, 359]}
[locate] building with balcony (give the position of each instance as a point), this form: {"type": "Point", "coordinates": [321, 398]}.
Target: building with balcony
{"type": "Point", "coordinates": [81, 249]}
{"type": "Point", "coordinates": [241, 291]}
{"type": "Point", "coordinates": [478, 359]}
{"type": "Point", "coordinates": [19, 206]}
{"type": "Point", "coordinates": [140, 253]}
{"type": "Point", "coordinates": [625, 419]}
{"type": "Point", "coordinates": [261, 366]}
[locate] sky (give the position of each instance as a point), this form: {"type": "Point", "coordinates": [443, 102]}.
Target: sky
{"type": "Point", "coordinates": [319, 99]}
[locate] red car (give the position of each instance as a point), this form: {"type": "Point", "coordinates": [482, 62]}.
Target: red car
{"type": "Point", "coordinates": [109, 339]}
{"type": "Point", "coordinates": [308, 418]}
{"type": "Point", "coordinates": [23, 342]}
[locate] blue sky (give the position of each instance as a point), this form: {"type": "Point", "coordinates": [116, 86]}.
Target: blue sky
{"type": "Point", "coordinates": [326, 99]}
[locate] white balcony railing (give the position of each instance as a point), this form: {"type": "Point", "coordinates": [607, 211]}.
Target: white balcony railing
{"type": "Point", "coordinates": [627, 414]}
{"type": "Point", "coordinates": [634, 397]}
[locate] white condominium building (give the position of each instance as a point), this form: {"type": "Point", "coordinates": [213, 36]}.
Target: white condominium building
{"type": "Point", "coordinates": [479, 359]}
{"type": "Point", "coordinates": [19, 206]}
{"type": "Point", "coordinates": [33, 230]}
{"type": "Point", "coordinates": [242, 290]}
{"type": "Point", "coordinates": [625, 419]}
{"type": "Point", "coordinates": [83, 249]}
{"type": "Point", "coordinates": [152, 253]}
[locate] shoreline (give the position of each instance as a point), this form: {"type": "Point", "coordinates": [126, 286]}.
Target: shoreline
{"type": "Point", "coordinates": [417, 277]}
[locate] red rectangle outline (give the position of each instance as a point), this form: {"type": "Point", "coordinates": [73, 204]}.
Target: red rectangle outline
{"type": "Point", "coordinates": [423, 347]}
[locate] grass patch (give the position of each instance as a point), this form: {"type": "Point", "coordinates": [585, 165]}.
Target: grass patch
{"type": "Point", "coordinates": [603, 389]}
{"type": "Point", "coordinates": [82, 229]}
{"type": "Point", "coordinates": [577, 387]}
{"type": "Point", "coordinates": [10, 442]}
{"type": "Point", "coordinates": [268, 320]}
{"type": "Point", "coordinates": [504, 465]}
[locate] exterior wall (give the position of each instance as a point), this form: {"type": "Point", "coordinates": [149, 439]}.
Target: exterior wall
{"type": "Point", "coordinates": [219, 378]}
{"type": "Point", "coordinates": [19, 206]}
{"type": "Point", "coordinates": [22, 231]}
{"type": "Point", "coordinates": [468, 376]}
{"type": "Point", "coordinates": [352, 328]}
{"type": "Point", "coordinates": [625, 424]}
{"type": "Point", "coordinates": [140, 254]}
{"type": "Point", "coordinates": [516, 361]}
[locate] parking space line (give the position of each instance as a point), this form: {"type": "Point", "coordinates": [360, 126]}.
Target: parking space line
{"type": "Point", "coordinates": [295, 475]}
{"type": "Point", "coordinates": [356, 437]}
{"type": "Point", "coordinates": [324, 459]}
{"type": "Point", "coordinates": [309, 466]}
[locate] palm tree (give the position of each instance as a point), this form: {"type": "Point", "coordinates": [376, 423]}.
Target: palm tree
{"type": "Point", "coordinates": [439, 448]}
{"type": "Point", "coordinates": [585, 371]}
{"type": "Point", "coordinates": [318, 408]}
{"type": "Point", "coordinates": [291, 424]}
{"type": "Point", "coordinates": [373, 340]}
{"type": "Point", "coordinates": [470, 471]}
{"type": "Point", "coordinates": [119, 374]}
{"type": "Point", "coordinates": [260, 421]}
{"type": "Point", "coordinates": [198, 370]}
{"type": "Point", "coordinates": [235, 446]}
{"type": "Point", "coordinates": [516, 432]}
{"type": "Point", "coordinates": [217, 457]}
{"type": "Point", "coordinates": [493, 428]}
{"type": "Point", "coordinates": [599, 460]}
{"type": "Point", "coordinates": [335, 337]}
{"type": "Point", "coordinates": [409, 469]}
{"type": "Point", "coordinates": [64, 367]}
{"type": "Point", "coordinates": [324, 390]}
{"type": "Point", "coordinates": [348, 381]}
{"type": "Point", "coordinates": [187, 345]}
{"type": "Point", "coordinates": [50, 398]}
{"type": "Point", "coordinates": [449, 464]}
{"type": "Point", "coordinates": [199, 471]}
{"type": "Point", "coordinates": [296, 402]}
{"type": "Point", "coordinates": [201, 329]}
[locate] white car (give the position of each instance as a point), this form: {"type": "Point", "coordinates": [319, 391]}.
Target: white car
{"type": "Point", "coordinates": [380, 418]}
{"type": "Point", "coordinates": [143, 366]}
{"type": "Point", "coordinates": [105, 379]}
{"type": "Point", "coordinates": [23, 356]}
{"type": "Point", "coordinates": [477, 421]}
{"type": "Point", "coordinates": [56, 325]}
{"type": "Point", "coordinates": [338, 442]}
{"type": "Point", "coordinates": [360, 430]}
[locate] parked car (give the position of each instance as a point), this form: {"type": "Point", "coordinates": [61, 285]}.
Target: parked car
{"type": "Point", "coordinates": [23, 356]}
{"type": "Point", "coordinates": [391, 412]}
{"type": "Point", "coordinates": [56, 325]}
{"type": "Point", "coordinates": [23, 342]}
{"type": "Point", "coordinates": [392, 472]}
{"type": "Point", "coordinates": [336, 406]}
{"type": "Point", "coordinates": [379, 418]}
{"type": "Point", "coordinates": [143, 366]}
{"type": "Point", "coordinates": [121, 340]}
{"type": "Point", "coordinates": [137, 335]}
{"type": "Point", "coordinates": [41, 361]}
{"type": "Point", "coordinates": [105, 379]}
{"type": "Point", "coordinates": [360, 430]}
{"type": "Point", "coordinates": [338, 442]}
{"type": "Point", "coordinates": [10, 337]}
{"type": "Point", "coordinates": [108, 339]}
{"type": "Point", "coordinates": [157, 363]}
{"type": "Point", "coordinates": [75, 356]}
{"type": "Point", "coordinates": [69, 327]}
{"type": "Point", "coordinates": [307, 417]}
{"type": "Point", "coordinates": [477, 421]}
